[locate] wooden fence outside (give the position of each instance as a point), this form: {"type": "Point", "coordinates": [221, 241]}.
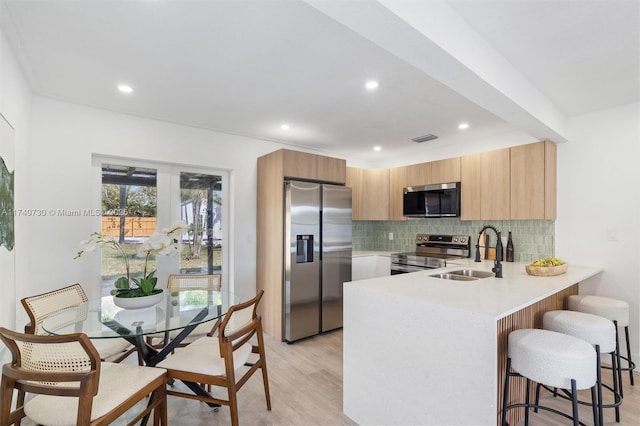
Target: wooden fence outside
{"type": "Point", "coordinates": [134, 227]}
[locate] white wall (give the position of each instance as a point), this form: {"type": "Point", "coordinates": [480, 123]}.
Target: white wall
{"type": "Point", "coordinates": [64, 137]}
{"type": "Point", "coordinates": [15, 105]}
{"type": "Point", "coordinates": [598, 177]}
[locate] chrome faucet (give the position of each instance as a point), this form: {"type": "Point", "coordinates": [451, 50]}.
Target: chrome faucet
{"type": "Point", "coordinates": [497, 265]}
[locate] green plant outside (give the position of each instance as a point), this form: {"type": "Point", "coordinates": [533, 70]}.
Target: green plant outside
{"type": "Point", "coordinates": [113, 264]}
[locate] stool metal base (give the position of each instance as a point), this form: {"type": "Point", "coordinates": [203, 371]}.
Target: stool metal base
{"type": "Point", "coordinates": [617, 397]}
{"type": "Point", "coordinates": [527, 405]}
{"type": "Point", "coordinates": [631, 366]}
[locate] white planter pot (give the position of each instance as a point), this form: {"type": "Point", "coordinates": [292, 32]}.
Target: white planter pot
{"type": "Point", "coordinates": [138, 302]}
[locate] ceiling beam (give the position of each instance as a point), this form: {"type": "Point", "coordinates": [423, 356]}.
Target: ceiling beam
{"type": "Point", "coordinates": [433, 38]}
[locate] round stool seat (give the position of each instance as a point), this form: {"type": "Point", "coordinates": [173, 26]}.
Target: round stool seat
{"type": "Point", "coordinates": [593, 329]}
{"type": "Point", "coordinates": [552, 358]}
{"type": "Point", "coordinates": [611, 309]}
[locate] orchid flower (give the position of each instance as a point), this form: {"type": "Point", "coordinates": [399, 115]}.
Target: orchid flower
{"type": "Point", "coordinates": [165, 243]}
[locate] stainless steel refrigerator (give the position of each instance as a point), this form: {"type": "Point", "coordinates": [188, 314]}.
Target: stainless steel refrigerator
{"type": "Point", "coordinates": [317, 253]}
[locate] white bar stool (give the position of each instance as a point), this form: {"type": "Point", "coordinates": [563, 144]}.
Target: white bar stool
{"type": "Point", "coordinates": [614, 310]}
{"type": "Point", "coordinates": [597, 331]}
{"type": "Point", "coordinates": [553, 359]}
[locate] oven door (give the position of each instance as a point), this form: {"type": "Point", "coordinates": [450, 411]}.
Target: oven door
{"type": "Point", "coordinates": [397, 269]}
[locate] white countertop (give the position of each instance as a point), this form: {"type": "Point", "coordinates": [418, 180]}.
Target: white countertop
{"type": "Point", "coordinates": [495, 297]}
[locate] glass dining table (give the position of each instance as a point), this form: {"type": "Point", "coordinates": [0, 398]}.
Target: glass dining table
{"type": "Point", "coordinates": [171, 319]}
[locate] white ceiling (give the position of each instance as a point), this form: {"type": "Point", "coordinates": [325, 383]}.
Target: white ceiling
{"type": "Point", "coordinates": [518, 67]}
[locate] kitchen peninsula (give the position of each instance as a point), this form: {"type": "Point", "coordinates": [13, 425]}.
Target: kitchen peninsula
{"type": "Point", "coordinates": [431, 351]}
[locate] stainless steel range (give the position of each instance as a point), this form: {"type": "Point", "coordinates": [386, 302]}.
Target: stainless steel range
{"type": "Point", "coordinates": [432, 251]}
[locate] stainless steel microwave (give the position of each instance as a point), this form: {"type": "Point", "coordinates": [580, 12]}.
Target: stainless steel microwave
{"type": "Point", "coordinates": [439, 200]}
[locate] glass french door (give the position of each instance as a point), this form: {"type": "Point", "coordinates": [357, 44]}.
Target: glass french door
{"type": "Point", "coordinates": [140, 198]}
{"type": "Point", "coordinates": [201, 203]}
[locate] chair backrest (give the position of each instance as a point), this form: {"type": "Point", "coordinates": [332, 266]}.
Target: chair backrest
{"type": "Point", "coordinates": [194, 282]}
{"type": "Point", "coordinates": [64, 365]}
{"type": "Point", "coordinates": [239, 325]}
{"type": "Point", "coordinates": [41, 306]}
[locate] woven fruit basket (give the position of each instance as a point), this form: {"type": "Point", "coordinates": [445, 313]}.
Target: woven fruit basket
{"type": "Point", "coordinates": [546, 271]}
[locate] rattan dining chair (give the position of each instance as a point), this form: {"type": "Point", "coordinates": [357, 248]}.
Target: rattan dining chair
{"type": "Point", "coordinates": [177, 282]}
{"type": "Point", "coordinates": [237, 349]}
{"type": "Point", "coordinates": [68, 384]}
{"type": "Point", "coordinates": [41, 306]}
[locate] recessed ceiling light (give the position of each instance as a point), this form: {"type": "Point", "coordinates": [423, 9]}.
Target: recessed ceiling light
{"type": "Point", "coordinates": [285, 127]}
{"type": "Point", "coordinates": [463, 126]}
{"type": "Point", "coordinates": [377, 148]}
{"type": "Point", "coordinates": [371, 85]}
{"type": "Point", "coordinates": [125, 88]}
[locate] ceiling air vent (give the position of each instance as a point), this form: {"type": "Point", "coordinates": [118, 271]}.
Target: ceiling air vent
{"type": "Point", "coordinates": [420, 139]}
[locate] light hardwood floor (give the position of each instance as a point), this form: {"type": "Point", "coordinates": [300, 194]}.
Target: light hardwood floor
{"type": "Point", "coordinates": [306, 389]}
{"type": "Point", "coordinates": [305, 380]}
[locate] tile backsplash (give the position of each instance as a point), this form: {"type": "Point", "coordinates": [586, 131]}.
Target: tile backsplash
{"type": "Point", "coordinates": [532, 239]}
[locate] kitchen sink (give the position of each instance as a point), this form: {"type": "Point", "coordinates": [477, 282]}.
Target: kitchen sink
{"type": "Point", "coordinates": [463, 275]}
{"type": "Point", "coordinates": [472, 273]}
{"type": "Point", "coordinates": [456, 277]}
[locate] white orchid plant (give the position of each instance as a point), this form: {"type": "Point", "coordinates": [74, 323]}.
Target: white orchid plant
{"type": "Point", "coordinates": [164, 243]}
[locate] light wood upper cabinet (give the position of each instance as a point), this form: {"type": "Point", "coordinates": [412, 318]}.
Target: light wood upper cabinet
{"type": "Point", "coordinates": [303, 165]}
{"type": "Point", "coordinates": [510, 183]}
{"type": "Point", "coordinates": [296, 164]}
{"type": "Point", "coordinates": [331, 169]}
{"type": "Point", "coordinates": [533, 181]}
{"type": "Point", "coordinates": [470, 187]}
{"type": "Point", "coordinates": [495, 188]}
{"type": "Point", "coordinates": [353, 181]}
{"type": "Point", "coordinates": [397, 182]}
{"type": "Point", "coordinates": [375, 194]}
{"type": "Point", "coordinates": [444, 171]}
{"type": "Point", "coordinates": [550, 180]}
{"type": "Point", "coordinates": [370, 193]}
{"type": "Point", "coordinates": [418, 174]}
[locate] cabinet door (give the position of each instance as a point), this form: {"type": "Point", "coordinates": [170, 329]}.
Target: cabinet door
{"type": "Point", "coordinates": [363, 267]}
{"type": "Point", "coordinates": [550, 182]}
{"type": "Point", "coordinates": [397, 182]}
{"type": "Point", "coordinates": [418, 174]}
{"type": "Point", "coordinates": [296, 164]}
{"type": "Point", "coordinates": [353, 179]}
{"type": "Point", "coordinates": [331, 169]}
{"type": "Point", "coordinates": [533, 181]}
{"type": "Point", "coordinates": [470, 186]}
{"type": "Point", "coordinates": [374, 196]}
{"type": "Point", "coordinates": [444, 171]}
{"type": "Point", "coordinates": [527, 181]}
{"type": "Point", "coordinates": [495, 188]}
{"type": "Point", "coordinates": [383, 265]}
